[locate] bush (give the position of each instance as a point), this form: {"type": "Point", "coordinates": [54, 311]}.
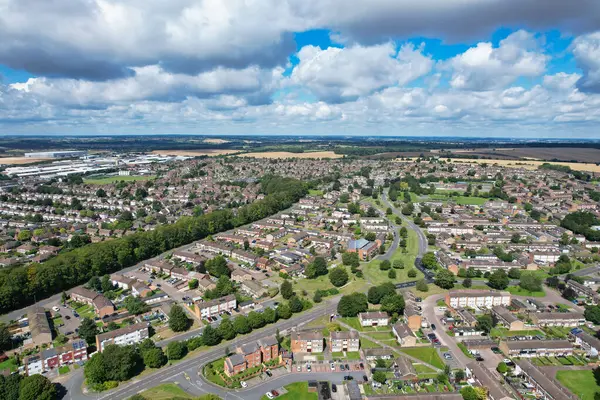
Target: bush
{"type": "Point", "coordinates": [385, 265]}
{"type": "Point", "coordinates": [412, 273]}
{"type": "Point", "coordinates": [392, 274]}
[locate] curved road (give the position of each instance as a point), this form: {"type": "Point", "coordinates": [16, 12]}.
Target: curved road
{"type": "Point", "coordinates": [191, 365]}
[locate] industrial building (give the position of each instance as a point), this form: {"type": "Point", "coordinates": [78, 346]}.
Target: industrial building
{"type": "Point", "coordinates": [57, 154]}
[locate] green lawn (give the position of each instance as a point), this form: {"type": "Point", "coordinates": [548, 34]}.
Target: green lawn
{"type": "Point", "coordinates": [502, 333]}
{"type": "Point", "coordinates": [382, 335]}
{"type": "Point", "coordinates": [9, 363]}
{"type": "Point", "coordinates": [426, 354]}
{"type": "Point", "coordinates": [519, 291]}
{"type": "Point", "coordinates": [581, 383]}
{"type": "Point", "coordinates": [368, 344]}
{"type": "Point", "coordinates": [315, 192]}
{"type": "Point", "coordinates": [166, 391]}
{"type": "Point", "coordinates": [105, 180]}
{"type": "Point", "coordinates": [296, 391]}
{"type": "Point", "coordinates": [64, 370]}
{"type": "Point", "coordinates": [86, 311]}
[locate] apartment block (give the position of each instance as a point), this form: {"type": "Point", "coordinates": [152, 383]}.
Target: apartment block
{"type": "Point", "coordinates": [204, 309]}
{"type": "Point", "coordinates": [125, 336]}
{"type": "Point", "coordinates": [374, 318]}
{"type": "Point", "coordinates": [307, 342]}
{"type": "Point", "coordinates": [477, 298]}
{"type": "Point", "coordinates": [344, 341]}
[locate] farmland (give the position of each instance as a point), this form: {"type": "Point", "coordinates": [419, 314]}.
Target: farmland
{"type": "Point", "coordinates": [580, 154]}
{"type": "Point", "coordinates": [195, 153]}
{"type": "Point", "coordinates": [287, 154]}
{"type": "Point", "coordinates": [526, 164]}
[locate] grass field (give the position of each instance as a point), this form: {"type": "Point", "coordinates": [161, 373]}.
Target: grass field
{"type": "Point", "coordinates": [315, 192]}
{"type": "Point", "coordinates": [287, 154]}
{"type": "Point", "coordinates": [296, 391]}
{"type": "Point", "coordinates": [461, 200]}
{"type": "Point", "coordinates": [114, 179]}
{"type": "Point", "coordinates": [581, 383]}
{"type": "Point", "coordinates": [526, 164]}
{"type": "Point", "coordinates": [374, 275]}
{"type": "Point", "coordinates": [425, 354]}
{"type": "Point", "coordinates": [166, 391]}
{"type": "Point", "coordinates": [519, 291]}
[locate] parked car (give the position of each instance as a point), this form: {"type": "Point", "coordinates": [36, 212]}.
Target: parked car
{"type": "Point", "coordinates": [269, 373]}
{"type": "Point", "coordinates": [67, 317]}
{"type": "Point", "coordinates": [244, 384]}
{"type": "Point", "coordinates": [275, 393]}
{"type": "Point", "coordinates": [347, 367]}
{"type": "Point", "coordinates": [333, 387]}
{"type": "Point", "coordinates": [332, 366]}
{"type": "Point", "coordinates": [342, 367]}
{"type": "Point", "coordinates": [269, 395]}
{"type": "Point", "coordinates": [55, 309]}
{"type": "Point", "coordinates": [433, 327]}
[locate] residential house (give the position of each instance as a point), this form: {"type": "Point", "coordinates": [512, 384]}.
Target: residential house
{"type": "Point", "coordinates": [373, 318]}
{"type": "Point", "coordinates": [476, 298]}
{"type": "Point", "coordinates": [489, 380]}
{"type": "Point", "coordinates": [39, 326]}
{"type": "Point", "coordinates": [204, 309]}
{"type": "Point", "coordinates": [344, 341]}
{"type": "Point", "coordinates": [404, 335]}
{"type": "Point", "coordinates": [124, 336]}
{"type": "Point", "coordinates": [507, 319]}
{"type": "Point", "coordinates": [536, 348]}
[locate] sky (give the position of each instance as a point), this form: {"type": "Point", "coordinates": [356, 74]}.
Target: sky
{"type": "Point", "coordinates": [475, 68]}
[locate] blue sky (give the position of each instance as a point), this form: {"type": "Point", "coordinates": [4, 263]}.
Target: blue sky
{"type": "Point", "coordinates": [389, 67]}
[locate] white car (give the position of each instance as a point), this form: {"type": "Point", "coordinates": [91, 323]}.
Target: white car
{"type": "Point", "coordinates": [506, 361]}
{"type": "Point", "coordinates": [269, 395]}
{"type": "Point", "coordinates": [56, 309]}
{"type": "Point", "coordinates": [332, 366]}
{"type": "Point", "coordinates": [244, 384]}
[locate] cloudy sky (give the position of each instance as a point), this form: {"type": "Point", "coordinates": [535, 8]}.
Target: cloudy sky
{"type": "Point", "coordinates": [521, 68]}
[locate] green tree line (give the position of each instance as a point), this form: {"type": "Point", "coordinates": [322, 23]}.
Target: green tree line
{"type": "Point", "coordinates": [21, 285]}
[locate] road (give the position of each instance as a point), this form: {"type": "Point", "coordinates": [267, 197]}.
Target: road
{"type": "Point", "coordinates": [191, 365]}
{"type": "Point", "coordinates": [420, 234]}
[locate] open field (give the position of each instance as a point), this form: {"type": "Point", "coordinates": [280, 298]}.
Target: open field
{"type": "Point", "coordinates": [195, 153]}
{"type": "Point", "coordinates": [426, 354]}
{"type": "Point", "coordinates": [581, 154]}
{"type": "Point", "coordinates": [20, 160]}
{"type": "Point", "coordinates": [526, 164]}
{"type": "Point", "coordinates": [215, 141]}
{"type": "Point", "coordinates": [581, 383]}
{"type": "Point", "coordinates": [114, 179]}
{"type": "Point", "coordinates": [287, 154]}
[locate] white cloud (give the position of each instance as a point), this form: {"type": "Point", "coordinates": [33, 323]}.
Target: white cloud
{"type": "Point", "coordinates": [153, 83]}
{"type": "Point", "coordinates": [586, 50]}
{"type": "Point", "coordinates": [337, 74]}
{"type": "Point", "coordinates": [561, 81]}
{"type": "Point", "coordinates": [484, 67]}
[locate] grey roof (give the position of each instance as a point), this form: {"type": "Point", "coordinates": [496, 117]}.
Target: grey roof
{"type": "Point", "coordinates": [248, 348]}
{"type": "Point", "coordinates": [268, 341]}
{"type": "Point", "coordinates": [122, 331]}
{"type": "Point", "coordinates": [488, 380]}
{"type": "Point", "coordinates": [547, 383]}
{"type": "Point", "coordinates": [235, 359]}
{"type": "Point", "coordinates": [538, 344]}
{"type": "Point", "coordinates": [344, 335]}
{"type": "Point", "coordinates": [402, 330]}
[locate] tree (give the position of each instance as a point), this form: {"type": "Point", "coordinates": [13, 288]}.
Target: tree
{"type": "Point", "coordinates": [94, 283]}
{"type": "Point", "coordinates": [338, 276]}
{"type": "Point", "coordinates": [256, 320]}
{"type": "Point", "coordinates": [286, 289]}
{"type": "Point", "coordinates": [467, 282]}
{"type": "Point", "coordinates": [422, 286]}
{"type": "Point", "coordinates": [154, 358]}
{"type": "Point", "coordinates": [485, 322]}
{"type": "Point", "coordinates": [295, 304]}
{"type": "Point", "coordinates": [176, 350]}
{"type": "Point", "coordinates": [283, 311]}
{"type": "Point", "coordinates": [444, 279]}
{"type": "Point", "coordinates": [353, 304]}
{"type": "Point", "coordinates": [459, 375]}
{"type": "Point", "coordinates": [135, 305]}
{"type": "Point", "coordinates": [392, 274]}
{"type": "Point", "coordinates": [530, 281]}
{"type": "Point", "coordinates": [5, 338]}
{"type": "Point", "coordinates": [88, 331]}
{"type": "Point", "coordinates": [514, 273]}
{"type": "Point", "coordinates": [412, 273]}
{"type": "Point", "coordinates": [210, 336]}
{"type": "Point", "coordinates": [269, 315]}
{"type": "Point", "coordinates": [377, 293]}
{"type": "Point", "coordinates": [385, 265]}
{"type": "Point", "coordinates": [317, 298]}
{"type": "Point", "coordinates": [226, 329]}
{"type": "Point", "coordinates": [178, 319]}
{"type": "Point", "coordinates": [241, 325]}
{"type": "Point", "coordinates": [115, 363]}
{"type": "Point", "coordinates": [429, 261]}
{"type": "Point", "coordinates": [499, 280]}
{"type": "Point", "coordinates": [379, 376]}
{"type": "Point", "coordinates": [592, 313]}
{"type": "Point", "coordinates": [351, 259]}
{"type": "Point", "coordinates": [193, 284]}
{"type": "Point", "coordinates": [398, 264]}
{"type": "Point", "coordinates": [106, 284]}
{"type": "Point", "coordinates": [502, 367]}
{"type": "Point", "coordinates": [392, 303]}
{"type": "Point", "coordinates": [37, 387]}
{"type": "Point", "coordinates": [469, 393]}
{"type": "Point", "coordinates": [217, 266]}
{"type": "Point", "coordinates": [10, 386]}
{"type": "Point", "coordinates": [317, 268]}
